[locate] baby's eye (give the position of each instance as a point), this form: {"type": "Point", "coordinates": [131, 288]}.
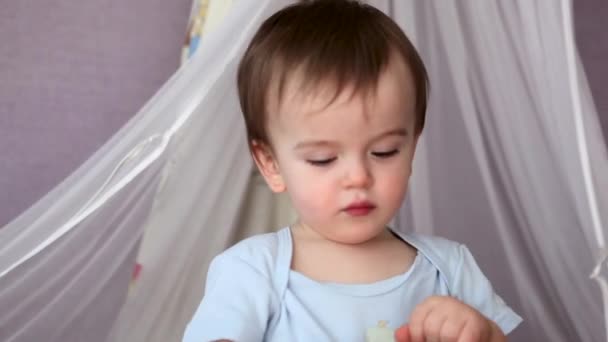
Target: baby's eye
{"type": "Point", "coordinates": [321, 162]}
{"type": "Point", "coordinates": [385, 154]}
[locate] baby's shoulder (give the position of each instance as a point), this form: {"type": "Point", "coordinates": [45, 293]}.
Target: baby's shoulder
{"type": "Point", "coordinates": [446, 255]}
{"type": "Point", "coordinates": [259, 252]}
{"type": "Point", "coordinates": [434, 244]}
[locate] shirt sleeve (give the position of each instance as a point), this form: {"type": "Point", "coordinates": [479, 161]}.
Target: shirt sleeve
{"type": "Point", "coordinates": [472, 287]}
{"type": "Point", "coordinates": [237, 305]}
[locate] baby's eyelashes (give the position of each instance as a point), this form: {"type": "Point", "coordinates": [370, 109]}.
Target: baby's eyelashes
{"type": "Point", "coordinates": [328, 161]}
{"type": "Point", "coordinates": [321, 162]}
{"type": "Point", "coordinates": [385, 154]}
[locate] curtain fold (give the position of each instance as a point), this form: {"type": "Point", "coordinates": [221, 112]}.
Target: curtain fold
{"type": "Point", "coordinates": [498, 168]}
{"type": "Point", "coordinates": [502, 121]}
{"type": "Point", "coordinates": [177, 171]}
{"type": "Point", "coordinates": [209, 197]}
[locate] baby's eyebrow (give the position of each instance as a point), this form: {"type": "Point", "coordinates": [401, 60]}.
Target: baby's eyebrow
{"type": "Point", "coordinates": [314, 143]}
{"type": "Point", "coordinates": [402, 132]}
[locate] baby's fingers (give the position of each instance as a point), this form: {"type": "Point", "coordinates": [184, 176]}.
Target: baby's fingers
{"type": "Point", "coordinates": [451, 330]}
{"type": "Point", "coordinates": [418, 320]}
{"type": "Point", "coordinates": [470, 333]}
{"type": "Point", "coordinates": [403, 334]}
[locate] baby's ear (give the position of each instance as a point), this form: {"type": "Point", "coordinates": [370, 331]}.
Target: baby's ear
{"type": "Point", "coordinates": [268, 166]}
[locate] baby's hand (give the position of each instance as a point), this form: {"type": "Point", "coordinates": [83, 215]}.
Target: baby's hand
{"type": "Point", "coordinates": [446, 319]}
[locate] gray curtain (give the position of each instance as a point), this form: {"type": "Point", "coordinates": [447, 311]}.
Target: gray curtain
{"type": "Point", "coordinates": [500, 167]}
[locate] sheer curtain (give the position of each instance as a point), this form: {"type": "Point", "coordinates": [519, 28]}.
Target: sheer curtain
{"type": "Point", "coordinates": [502, 166]}
{"type": "Point", "coordinates": [179, 171]}
{"type": "Point", "coordinates": [499, 168]}
{"type": "Point", "coordinates": [209, 197]}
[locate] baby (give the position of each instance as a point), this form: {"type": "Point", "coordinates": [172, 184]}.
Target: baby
{"type": "Point", "coordinates": [334, 98]}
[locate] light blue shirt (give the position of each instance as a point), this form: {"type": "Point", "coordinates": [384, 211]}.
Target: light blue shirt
{"type": "Point", "coordinates": [253, 295]}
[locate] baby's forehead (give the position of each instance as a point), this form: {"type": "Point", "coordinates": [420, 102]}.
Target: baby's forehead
{"type": "Point", "coordinates": [301, 97]}
{"type": "Point", "coordinates": [297, 93]}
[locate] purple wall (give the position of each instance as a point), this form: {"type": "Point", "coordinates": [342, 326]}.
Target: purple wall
{"type": "Point", "coordinates": [71, 74]}
{"type": "Point", "coordinates": [592, 39]}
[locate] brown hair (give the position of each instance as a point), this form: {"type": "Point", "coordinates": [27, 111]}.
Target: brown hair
{"type": "Point", "coordinates": [345, 41]}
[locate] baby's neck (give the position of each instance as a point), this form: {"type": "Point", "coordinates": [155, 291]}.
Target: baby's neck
{"type": "Point", "coordinates": [305, 232]}
{"type": "Point", "coordinates": [323, 260]}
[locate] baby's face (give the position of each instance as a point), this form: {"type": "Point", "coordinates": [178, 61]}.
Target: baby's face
{"type": "Point", "coordinates": [346, 165]}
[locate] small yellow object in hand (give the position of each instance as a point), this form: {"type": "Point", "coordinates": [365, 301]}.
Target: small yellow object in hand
{"type": "Point", "coordinates": [380, 333]}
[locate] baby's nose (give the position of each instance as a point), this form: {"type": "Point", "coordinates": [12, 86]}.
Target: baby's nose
{"type": "Point", "coordinates": [358, 175]}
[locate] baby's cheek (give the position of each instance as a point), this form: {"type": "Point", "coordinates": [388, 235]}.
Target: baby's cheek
{"type": "Point", "coordinates": [302, 195]}
{"type": "Point", "coordinates": [310, 198]}
{"type": "Point", "coordinates": [393, 187]}
{"type": "Point", "coordinates": [319, 199]}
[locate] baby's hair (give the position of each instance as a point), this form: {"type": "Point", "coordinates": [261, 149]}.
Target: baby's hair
{"type": "Point", "coordinates": [345, 42]}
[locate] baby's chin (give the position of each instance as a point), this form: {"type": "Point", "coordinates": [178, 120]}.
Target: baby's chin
{"type": "Point", "coordinates": [356, 235]}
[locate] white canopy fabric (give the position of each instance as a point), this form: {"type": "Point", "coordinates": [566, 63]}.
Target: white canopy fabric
{"type": "Point", "coordinates": [512, 162]}
{"type": "Point", "coordinates": [509, 73]}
